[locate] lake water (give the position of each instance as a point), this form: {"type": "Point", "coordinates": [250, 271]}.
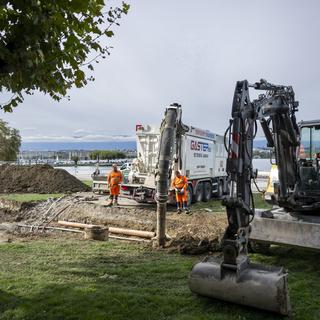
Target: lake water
{"type": "Point", "coordinates": [262, 164]}
{"type": "Point", "coordinates": [84, 172]}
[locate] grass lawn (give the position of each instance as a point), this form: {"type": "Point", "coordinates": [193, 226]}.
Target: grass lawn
{"type": "Point", "coordinates": [216, 206]}
{"type": "Point", "coordinates": [27, 197]}
{"type": "Point", "coordinates": [77, 279]}
{"type": "Point", "coordinates": [87, 182]}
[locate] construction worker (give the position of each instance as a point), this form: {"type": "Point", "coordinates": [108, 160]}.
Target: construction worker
{"type": "Point", "coordinates": [114, 179]}
{"type": "Point", "coordinates": [97, 171]}
{"type": "Point", "coordinates": [180, 185]}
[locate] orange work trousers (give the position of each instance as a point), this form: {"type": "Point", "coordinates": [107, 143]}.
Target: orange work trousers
{"type": "Point", "coordinates": [114, 190]}
{"type": "Point", "coordinates": [182, 197]}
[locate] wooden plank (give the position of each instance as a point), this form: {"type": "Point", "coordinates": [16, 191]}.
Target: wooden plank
{"type": "Point", "coordinates": [131, 232]}
{"type": "Point", "coordinates": [124, 231]}
{"type": "Point", "coordinates": [76, 224]}
{"type": "Point", "coordinates": [129, 239]}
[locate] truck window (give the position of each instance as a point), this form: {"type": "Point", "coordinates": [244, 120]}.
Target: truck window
{"type": "Point", "coordinates": [315, 141]}
{"type": "Point", "coordinates": [310, 142]}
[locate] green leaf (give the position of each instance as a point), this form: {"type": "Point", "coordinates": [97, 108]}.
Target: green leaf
{"type": "Point", "coordinates": [109, 33]}
{"type": "Point", "coordinates": [48, 42]}
{"type": "Point", "coordinates": [125, 8]}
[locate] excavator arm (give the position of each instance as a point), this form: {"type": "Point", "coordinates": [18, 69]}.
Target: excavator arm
{"type": "Point", "coordinates": [275, 110]}
{"type": "Point", "coordinates": [232, 277]}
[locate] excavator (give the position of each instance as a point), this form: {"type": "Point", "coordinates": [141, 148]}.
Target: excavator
{"type": "Point", "coordinates": [232, 276]}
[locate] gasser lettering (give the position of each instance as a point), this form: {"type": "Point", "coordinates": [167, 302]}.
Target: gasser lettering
{"type": "Point", "coordinates": [200, 146]}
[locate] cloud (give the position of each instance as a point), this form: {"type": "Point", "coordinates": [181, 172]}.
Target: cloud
{"type": "Point", "coordinates": [161, 56]}
{"type": "Point", "coordinates": [81, 131]}
{"type": "Point", "coordinates": [28, 129]}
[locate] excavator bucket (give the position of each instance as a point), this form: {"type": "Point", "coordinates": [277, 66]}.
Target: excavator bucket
{"type": "Point", "coordinates": [259, 286]}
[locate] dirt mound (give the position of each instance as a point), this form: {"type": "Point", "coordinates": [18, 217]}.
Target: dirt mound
{"type": "Point", "coordinates": [191, 245]}
{"type": "Point", "coordinates": [38, 179]}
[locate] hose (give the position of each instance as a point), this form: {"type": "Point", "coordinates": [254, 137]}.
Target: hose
{"type": "Point", "coordinates": [228, 130]}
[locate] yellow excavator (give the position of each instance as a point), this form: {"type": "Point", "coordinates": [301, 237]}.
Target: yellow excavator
{"type": "Point", "coordinates": [232, 277]}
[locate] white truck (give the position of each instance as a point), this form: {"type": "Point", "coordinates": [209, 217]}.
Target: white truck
{"type": "Point", "coordinates": [201, 158]}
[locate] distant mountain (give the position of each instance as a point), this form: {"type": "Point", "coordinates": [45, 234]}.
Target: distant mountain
{"type": "Point", "coordinates": [107, 145]}
{"type": "Point", "coordinates": [60, 146]}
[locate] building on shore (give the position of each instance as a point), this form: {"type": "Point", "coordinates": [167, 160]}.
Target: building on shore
{"type": "Point", "coordinates": [60, 157]}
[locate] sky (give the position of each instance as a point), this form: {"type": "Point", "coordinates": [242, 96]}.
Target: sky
{"type": "Point", "coordinates": [190, 52]}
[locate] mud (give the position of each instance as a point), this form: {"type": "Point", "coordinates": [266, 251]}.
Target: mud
{"type": "Point", "coordinates": [38, 179]}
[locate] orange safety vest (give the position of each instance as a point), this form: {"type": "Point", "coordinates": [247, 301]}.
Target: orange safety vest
{"type": "Point", "coordinates": [179, 183]}
{"type": "Point", "coordinates": [114, 179]}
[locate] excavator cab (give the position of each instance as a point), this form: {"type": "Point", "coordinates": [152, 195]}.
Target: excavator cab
{"type": "Point", "coordinates": [307, 191]}
{"type": "Point", "coordinates": [308, 187]}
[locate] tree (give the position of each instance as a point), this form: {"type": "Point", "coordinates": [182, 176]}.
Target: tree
{"type": "Point", "coordinates": [107, 155]}
{"type": "Point", "coordinates": [10, 142]}
{"type": "Point", "coordinates": [48, 45]}
{"type": "Point", "coordinates": [75, 159]}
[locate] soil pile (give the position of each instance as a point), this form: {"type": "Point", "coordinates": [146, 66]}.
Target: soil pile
{"type": "Point", "coordinates": [191, 245]}
{"type": "Point", "coordinates": [38, 179]}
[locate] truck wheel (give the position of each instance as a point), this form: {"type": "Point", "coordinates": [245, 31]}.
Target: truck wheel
{"type": "Point", "coordinates": [199, 192]}
{"type": "Point", "coordinates": [220, 189]}
{"type": "Point", "coordinates": [189, 194]}
{"type": "Point", "coordinates": [207, 191]}
{"type": "Point", "coordinates": [227, 187]}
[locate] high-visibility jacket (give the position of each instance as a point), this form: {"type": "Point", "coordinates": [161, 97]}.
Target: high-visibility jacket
{"type": "Point", "coordinates": [180, 183]}
{"type": "Point", "coordinates": [114, 180]}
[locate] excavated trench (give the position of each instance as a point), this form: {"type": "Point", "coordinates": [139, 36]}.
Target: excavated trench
{"type": "Point", "coordinates": [197, 233]}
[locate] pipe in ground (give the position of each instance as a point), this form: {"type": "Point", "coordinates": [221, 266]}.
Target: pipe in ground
{"type": "Point", "coordinates": [167, 139]}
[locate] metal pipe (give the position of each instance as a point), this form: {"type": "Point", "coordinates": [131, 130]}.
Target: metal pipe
{"type": "Point", "coordinates": [165, 157]}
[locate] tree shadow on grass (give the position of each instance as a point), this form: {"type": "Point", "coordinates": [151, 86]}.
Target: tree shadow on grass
{"type": "Point", "coordinates": [117, 302]}
{"type": "Point", "coordinates": [121, 287]}
{"type": "Point", "coordinates": [293, 258]}
{"type": "Point", "coordinates": [8, 301]}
